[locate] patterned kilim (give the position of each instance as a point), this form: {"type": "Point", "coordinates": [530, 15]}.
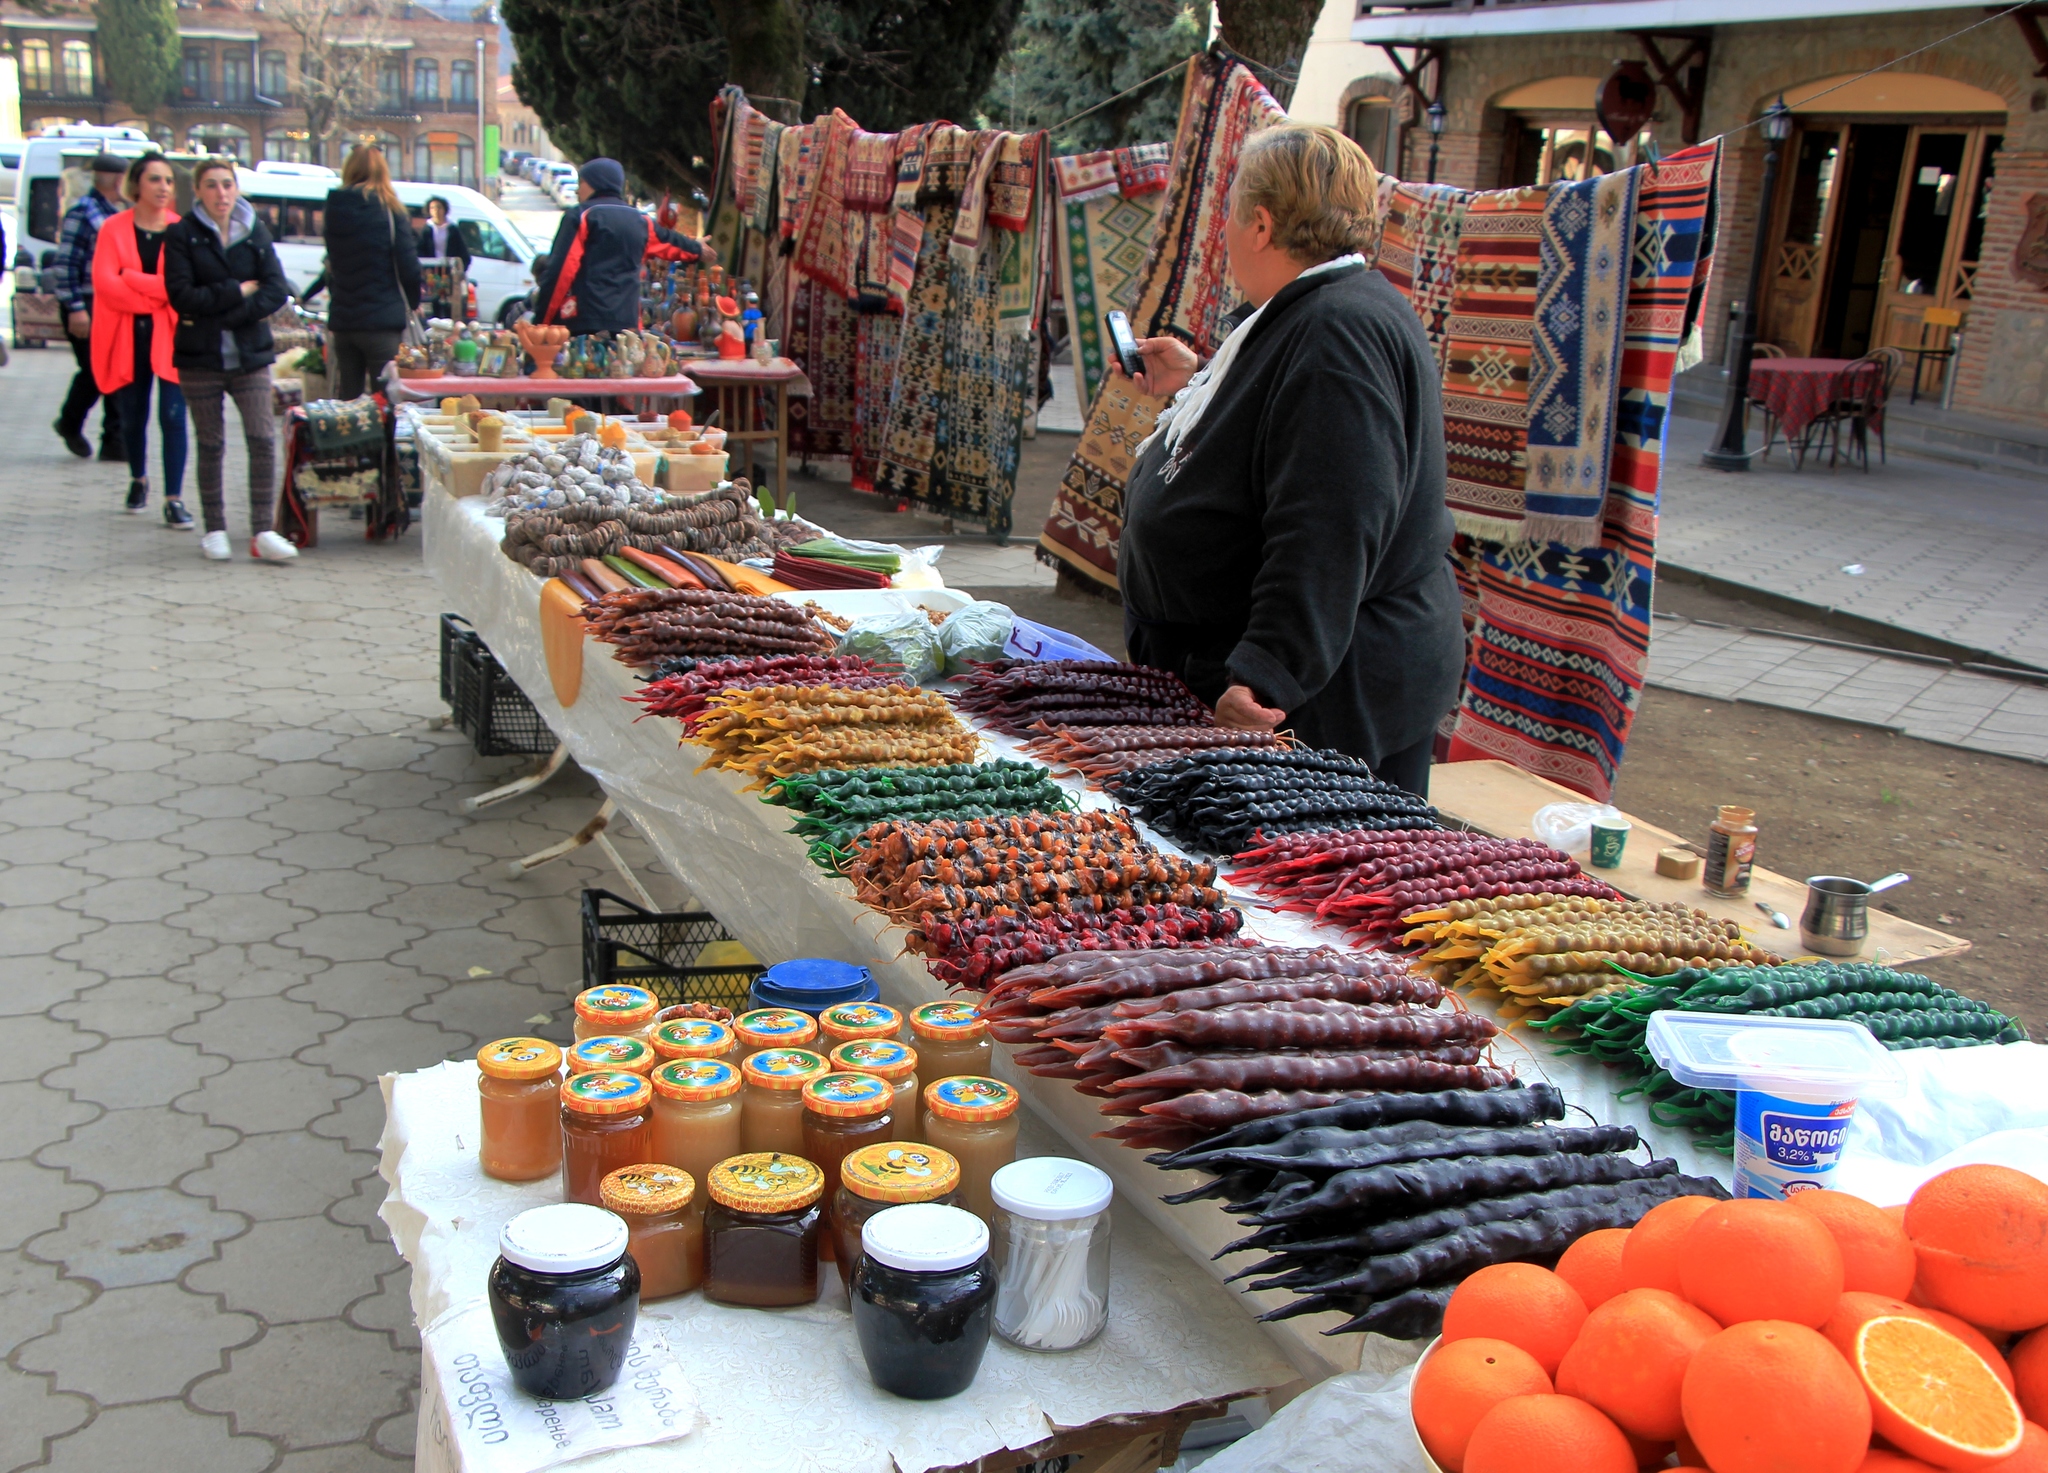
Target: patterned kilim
{"type": "Point", "coordinates": [1085, 176]}
{"type": "Point", "coordinates": [821, 232]}
{"type": "Point", "coordinates": [1100, 257]}
{"type": "Point", "coordinates": [821, 341]}
{"type": "Point", "coordinates": [1563, 636]}
{"type": "Point", "coordinates": [796, 157]}
{"type": "Point", "coordinates": [1419, 231]}
{"type": "Point", "coordinates": [873, 375]}
{"type": "Point", "coordinates": [1486, 335]}
{"type": "Point", "coordinates": [1143, 168]}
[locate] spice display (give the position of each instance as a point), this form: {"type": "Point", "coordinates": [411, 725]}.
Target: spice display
{"type": "Point", "coordinates": [761, 1230]}
{"type": "Point", "coordinates": [952, 1038]}
{"type": "Point", "coordinates": [695, 1038]}
{"type": "Point", "coordinates": [649, 625]}
{"type": "Point", "coordinates": [697, 1114]}
{"type": "Point", "coordinates": [686, 695]}
{"type": "Point", "coordinates": [875, 1177]}
{"type": "Point", "coordinates": [664, 1224]}
{"type": "Point", "coordinates": [849, 1022]}
{"type": "Point", "coordinates": [835, 807]}
{"type": "Point", "coordinates": [1220, 801]}
{"type": "Point", "coordinates": [615, 1010]}
{"type": "Point", "coordinates": [564, 1297]}
{"type": "Point", "coordinates": [843, 1111]}
{"type": "Point", "coordinates": [633, 1055]}
{"type": "Point", "coordinates": [519, 1097]}
{"type": "Point", "coordinates": [765, 1028]}
{"type": "Point", "coordinates": [1014, 696]}
{"type": "Point", "coordinates": [923, 1296]}
{"type": "Point", "coordinates": [772, 1104]}
{"type": "Point", "coordinates": [1100, 752]}
{"type": "Point", "coordinates": [780, 730]}
{"type": "Point", "coordinates": [1052, 1236]}
{"type": "Point", "coordinates": [887, 1059]}
{"type": "Point", "coordinates": [607, 1123]}
{"type": "Point", "coordinates": [974, 1120]}
{"type": "Point", "coordinates": [1731, 851]}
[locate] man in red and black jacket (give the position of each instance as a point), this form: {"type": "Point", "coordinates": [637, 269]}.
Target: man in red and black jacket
{"type": "Point", "coordinates": [592, 281]}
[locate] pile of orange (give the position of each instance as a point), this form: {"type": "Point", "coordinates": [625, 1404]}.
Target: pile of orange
{"type": "Point", "coordinates": [1815, 1335]}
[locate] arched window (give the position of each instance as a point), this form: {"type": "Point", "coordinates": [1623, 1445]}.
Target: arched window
{"type": "Point", "coordinates": [222, 139]}
{"type": "Point", "coordinates": [77, 69]}
{"type": "Point", "coordinates": [426, 81]}
{"type": "Point", "coordinates": [1374, 124]}
{"type": "Point", "coordinates": [462, 82]}
{"type": "Point", "coordinates": [444, 158]}
{"type": "Point", "coordinates": [273, 79]}
{"type": "Point", "coordinates": [35, 66]}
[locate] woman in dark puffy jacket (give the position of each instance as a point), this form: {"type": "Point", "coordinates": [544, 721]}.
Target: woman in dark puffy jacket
{"type": "Point", "coordinates": [373, 272]}
{"type": "Point", "coordinates": [224, 280]}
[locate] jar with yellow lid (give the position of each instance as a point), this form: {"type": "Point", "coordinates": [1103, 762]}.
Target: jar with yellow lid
{"type": "Point", "coordinates": [664, 1225]}
{"type": "Point", "coordinates": [885, 1174]}
{"type": "Point", "coordinates": [611, 1051]}
{"type": "Point", "coordinates": [976, 1120]}
{"type": "Point", "coordinates": [518, 1087]}
{"type": "Point", "coordinates": [695, 1038]}
{"type": "Point", "coordinates": [766, 1028]}
{"type": "Point", "coordinates": [951, 1038]}
{"type": "Point", "coordinates": [896, 1062]}
{"type": "Point", "coordinates": [772, 1104]}
{"type": "Point", "coordinates": [847, 1021]}
{"type": "Point", "coordinates": [761, 1230]}
{"type": "Point", "coordinates": [843, 1110]}
{"type": "Point", "coordinates": [696, 1114]}
{"type": "Point", "coordinates": [615, 1009]}
{"type": "Point", "coordinates": [606, 1124]}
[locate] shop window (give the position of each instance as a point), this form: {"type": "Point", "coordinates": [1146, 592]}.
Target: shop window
{"type": "Point", "coordinates": [426, 81]}
{"type": "Point", "coordinates": [1540, 155]}
{"type": "Point", "coordinates": [223, 140]}
{"type": "Point", "coordinates": [235, 88]}
{"type": "Point", "coordinates": [288, 145]}
{"type": "Point", "coordinates": [462, 82]}
{"type": "Point", "coordinates": [34, 59]}
{"type": "Point", "coordinates": [444, 158]}
{"type": "Point", "coordinates": [78, 69]}
{"type": "Point", "coordinates": [195, 76]}
{"type": "Point", "coordinates": [273, 79]}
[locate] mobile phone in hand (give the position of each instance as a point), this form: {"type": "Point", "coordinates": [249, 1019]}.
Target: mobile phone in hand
{"type": "Point", "coordinates": [1126, 346]}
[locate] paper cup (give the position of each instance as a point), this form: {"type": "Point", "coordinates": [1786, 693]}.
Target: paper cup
{"type": "Point", "coordinates": [1610, 836]}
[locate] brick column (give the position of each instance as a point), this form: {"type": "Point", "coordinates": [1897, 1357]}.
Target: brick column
{"type": "Point", "coordinates": [2004, 365]}
{"type": "Point", "coordinates": [1742, 175]}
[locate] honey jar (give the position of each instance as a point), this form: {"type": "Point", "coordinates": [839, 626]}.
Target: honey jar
{"type": "Point", "coordinates": [615, 1009]}
{"type": "Point", "coordinates": [606, 1124]}
{"type": "Point", "coordinates": [951, 1038]}
{"type": "Point", "coordinates": [841, 1111]}
{"type": "Point", "coordinates": [625, 1052]}
{"type": "Point", "coordinates": [772, 1103]}
{"type": "Point", "coordinates": [519, 1090]}
{"type": "Point", "coordinates": [847, 1021]}
{"type": "Point", "coordinates": [897, 1063]}
{"type": "Point", "coordinates": [696, 1114]}
{"type": "Point", "coordinates": [695, 1038]}
{"type": "Point", "coordinates": [975, 1119]}
{"type": "Point", "coordinates": [761, 1230]}
{"type": "Point", "coordinates": [664, 1225]}
{"type": "Point", "coordinates": [766, 1028]}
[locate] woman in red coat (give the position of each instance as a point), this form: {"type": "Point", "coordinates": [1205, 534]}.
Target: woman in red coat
{"type": "Point", "coordinates": [133, 326]}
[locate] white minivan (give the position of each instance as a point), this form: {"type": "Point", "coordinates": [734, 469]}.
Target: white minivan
{"type": "Point", "coordinates": [56, 172]}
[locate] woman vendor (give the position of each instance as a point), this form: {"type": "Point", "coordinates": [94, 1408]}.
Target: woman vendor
{"type": "Point", "coordinates": [1285, 538]}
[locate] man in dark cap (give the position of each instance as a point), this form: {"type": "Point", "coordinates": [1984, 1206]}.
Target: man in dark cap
{"type": "Point", "coordinates": [592, 280]}
{"type": "Point", "coordinates": [76, 238]}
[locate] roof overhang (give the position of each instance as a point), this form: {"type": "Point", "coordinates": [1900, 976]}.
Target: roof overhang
{"type": "Point", "coordinates": [1614, 15]}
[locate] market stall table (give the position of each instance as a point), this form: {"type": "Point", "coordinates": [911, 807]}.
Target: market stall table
{"type": "Point", "coordinates": [1795, 391]}
{"type": "Point", "coordinates": [737, 382]}
{"type": "Point", "coordinates": [671, 389]}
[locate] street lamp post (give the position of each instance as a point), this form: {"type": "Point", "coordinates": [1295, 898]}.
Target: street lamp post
{"type": "Point", "coordinates": [1728, 452]}
{"type": "Point", "coordinates": [1435, 117]}
{"type": "Point", "coordinates": [480, 114]}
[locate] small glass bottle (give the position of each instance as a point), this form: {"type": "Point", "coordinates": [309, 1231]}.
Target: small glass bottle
{"type": "Point", "coordinates": [606, 1124]}
{"type": "Point", "coordinates": [766, 1028]}
{"type": "Point", "coordinates": [1052, 1252]}
{"type": "Point", "coordinates": [761, 1230]}
{"type": "Point", "coordinates": [615, 1009]}
{"type": "Point", "coordinates": [883, 1175]}
{"type": "Point", "coordinates": [665, 1223]}
{"type": "Point", "coordinates": [633, 1055]}
{"type": "Point", "coordinates": [696, 1114]}
{"type": "Point", "coordinates": [897, 1063]}
{"type": "Point", "coordinates": [1731, 851]}
{"type": "Point", "coordinates": [518, 1086]}
{"type": "Point", "coordinates": [772, 1104]}
{"type": "Point", "coordinates": [951, 1038]}
{"type": "Point", "coordinates": [695, 1038]}
{"type": "Point", "coordinates": [564, 1297]}
{"type": "Point", "coordinates": [842, 1111]}
{"type": "Point", "coordinates": [924, 1294]}
{"type": "Point", "coordinates": [976, 1120]}
{"type": "Point", "coordinates": [848, 1022]}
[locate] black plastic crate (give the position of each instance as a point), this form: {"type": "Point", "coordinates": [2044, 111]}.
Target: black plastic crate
{"type": "Point", "coordinates": [658, 950]}
{"type": "Point", "coordinates": [487, 704]}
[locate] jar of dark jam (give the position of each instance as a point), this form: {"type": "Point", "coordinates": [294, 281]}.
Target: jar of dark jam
{"type": "Point", "coordinates": [761, 1230]}
{"type": "Point", "coordinates": [924, 1294]}
{"type": "Point", "coordinates": [564, 1296]}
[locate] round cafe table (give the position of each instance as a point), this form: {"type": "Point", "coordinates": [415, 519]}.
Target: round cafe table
{"type": "Point", "coordinates": [1794, 392]}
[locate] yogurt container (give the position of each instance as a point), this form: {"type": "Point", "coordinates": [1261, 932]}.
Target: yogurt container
{"type": "Point", "coordinates": [1796, 1083]}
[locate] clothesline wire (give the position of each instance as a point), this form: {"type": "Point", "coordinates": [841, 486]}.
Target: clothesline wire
{"type": "Point", "coordinates": [1118, 97]}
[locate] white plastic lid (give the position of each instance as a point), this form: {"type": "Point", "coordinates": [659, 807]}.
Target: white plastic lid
{"type": "Point", "coordinates": [1051, 1189]}
{"type": "Point", "coordinates": [566, 1238]}
{"type": "Point", "coordinates": [1824, 1058]}
{"type": "Point", "coordinates": [924, 1237]}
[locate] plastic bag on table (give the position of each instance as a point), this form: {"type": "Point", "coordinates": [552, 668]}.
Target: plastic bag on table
{"type": "Point", "coordinates": [1029, 641]}
{"type": "Point", "coordinates": [905, 639]}
{"type": "Point", "coordinates": [974, 633]}
{"type": "Point", "coordinates": [1569, 826]}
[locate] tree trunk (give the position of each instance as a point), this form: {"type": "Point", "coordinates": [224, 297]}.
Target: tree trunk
{"type": "Point", "coordinates": [764, 46]}
{"type": "Point", "coordinates": [1273, 33]}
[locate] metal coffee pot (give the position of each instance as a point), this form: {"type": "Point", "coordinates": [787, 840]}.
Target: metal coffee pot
{"type": "Point", "coordinates": [1837, 917]}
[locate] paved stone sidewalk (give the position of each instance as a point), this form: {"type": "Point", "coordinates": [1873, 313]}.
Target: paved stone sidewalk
{"type": "Point", "coordinates": [234, 889]}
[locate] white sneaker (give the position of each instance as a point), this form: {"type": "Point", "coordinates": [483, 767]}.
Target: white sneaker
{"type": "Point", "coordinates": [215, 546]}
{"type": "Point", "coordinates": [270, 548]}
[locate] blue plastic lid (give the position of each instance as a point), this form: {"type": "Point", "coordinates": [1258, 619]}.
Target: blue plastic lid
{"type": "Point", "coordinates": [812, 984]}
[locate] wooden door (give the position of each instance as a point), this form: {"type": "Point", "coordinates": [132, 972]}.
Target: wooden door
{"type": "Point", "coordinates": [1924, 264]}
{"type": "Point", "coordinates": [1813, 167]}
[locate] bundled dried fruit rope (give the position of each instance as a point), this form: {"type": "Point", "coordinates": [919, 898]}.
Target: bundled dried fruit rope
{"type": "Point", "coordinates": [1098, 752]}
{"type": "Point", "coordinates": [1015, 695]}
{"type": "Point", "coordinates": [1220, 801]}
{"type": "Point", "coordinates": [778, 730]}
{"type": "Point", "coordinates": [723, 522]}
{"type": "Point", "coordinates": [975, 951]}
{"type": "Point", "coordinates": [650, 625]}
{"type": "Point", "coordinates": [686, 694]}
{"type": "Point", "coordinates": [837, 806]}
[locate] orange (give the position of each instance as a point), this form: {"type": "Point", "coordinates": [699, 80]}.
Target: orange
{"type": "Point", "coordinates": [1593, 1265]}
{"type": "Point", "coordinates": [1933, 1397]}
{"type": "Point", "coordinates": [1649, 1260]}
{"type": "Point", "coordinates": [1884, 1460]}
{"type": "Point", "coordinates": [1981, 1233]}
{"type": "Point", "coordinates": [2029, 1361]}
{"type": "Point", "coordinates": [1521, 1304]}
{"type": "Point", "coordinates": [1761, 1260]}
{"type": "Point", "coordinates": [2032, 1456]}
{"type": "Point", "coordinates": [1547, 1434]}
{"type": "Point", "coordinates": [1854, 1309]}
{"type": "Point", "coordinates": [1769, 1396]}
{"type": "Point", "coordinates": [1630, 1360]}
{"type": "Point", "coordinates": [1461, 1382]}
{"type": "Point", "coordinates": [1646, 1453]}
{"type": "Point", "coordinates": [1877, 1256]}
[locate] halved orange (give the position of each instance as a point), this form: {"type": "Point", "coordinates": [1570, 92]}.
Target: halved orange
{"type": "Point", "coordinates": [1933, 1397]}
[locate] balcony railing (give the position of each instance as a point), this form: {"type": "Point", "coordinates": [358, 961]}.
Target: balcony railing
{"type": "Point", "coordinates": [61, 94]}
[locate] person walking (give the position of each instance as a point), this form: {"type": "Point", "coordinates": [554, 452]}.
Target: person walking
{"type": "Point", "coordinates": [76, 238]}
{"type": "Point", "coordinates": [373, 272]}
{"type": "Point", "coordinates": [592, 280]}
{"type": "Point", "coordinates": [224, 279]}
{"type": "Point", "coordinates": [441, 239]}
{"type": "Point", "coordinates": [132, 329]}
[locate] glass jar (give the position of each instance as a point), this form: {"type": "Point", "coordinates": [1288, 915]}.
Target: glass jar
{"type": "Point", "coordinates": [564, 1297]}
{"type": "Point", "coordinates": [951, 1038]}
{"type": "Point", "coordinates": [975, 1119]}
{"type": "Point", "coordinates": [896, 1062]}
{"type": "Point", "coordinates": [877, 1177]}
{"type": "Point", "coordinates": [695, 1038]}
{"type": "Point", "coordinates": [615, 1010]}
{"type": "Point", "coordinates": [924, 1294]}
{"type": "Point", "coordinates": [1052, 1252]}
{"type": "Point", "coordinates": [664, 1223]}
{"type": "Point", "coordinates": [761, 1230]}
{"type": "Point", "coordinates": [617, 1051]}
{"type": "Point", "coordinates": [856, 1020]}
{"type": "Point", "coordinates": [772, 1104]}
{"type": "Point", "coordinates": [841, 1111]}
{"type": "Point", "coordinates": [766, 1028]}
{"type": "Point", "coordinates": [606, 1124]}
{"type": "Point", "coordinates": [696, 1114]}
{"type": "Point", "coordinates": [518, 1087]}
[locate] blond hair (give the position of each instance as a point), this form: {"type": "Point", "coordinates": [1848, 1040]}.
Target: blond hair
{"type": "Point", "coordinates": [1319, 187]}
{"type": "Point", "coordinates": [366, 171]}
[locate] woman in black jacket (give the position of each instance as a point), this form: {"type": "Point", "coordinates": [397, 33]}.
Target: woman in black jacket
{"type": "Point", "coordinates": [1285, 534]}
{"type": "Point", "coordinates": [373, 272]}
{"type": "Point", "coordinates": [224, 280]}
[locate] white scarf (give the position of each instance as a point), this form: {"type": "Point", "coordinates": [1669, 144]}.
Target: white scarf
{"type": "Point", "coordinates": [1188, 406]}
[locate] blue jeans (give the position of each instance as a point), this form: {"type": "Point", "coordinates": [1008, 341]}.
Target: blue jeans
{"type": "Point", "coordinates": [170, 419]}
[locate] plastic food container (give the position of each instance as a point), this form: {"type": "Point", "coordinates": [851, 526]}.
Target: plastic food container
{"type": "Point", "coordinates": [1796, 1083]}
{"type": "Point", "coordinates": [923, 1295]}
{"type": "Point", "coordinates": [812, 984]}
{"type": "Point", "coordinates": [564, 1297]}
{"type": "Point", "coordinates": [1052, 1252]}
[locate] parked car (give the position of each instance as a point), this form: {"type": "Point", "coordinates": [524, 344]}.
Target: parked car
{"type": "Point", "coordinates": [512, 161]}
